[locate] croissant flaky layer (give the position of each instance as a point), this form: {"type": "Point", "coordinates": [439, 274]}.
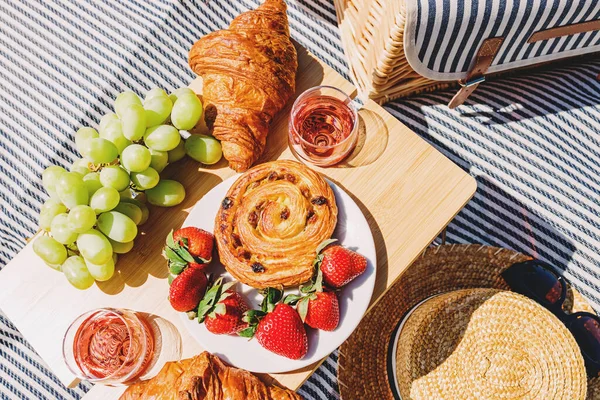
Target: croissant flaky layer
{"type": "Point", "coordinates": [271, 222]}
{"type": "Point", "coordinates": [205, 377]}
{"type": "Point", "coordinates": [249, 74]}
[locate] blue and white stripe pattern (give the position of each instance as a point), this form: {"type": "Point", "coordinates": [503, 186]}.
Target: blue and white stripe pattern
{"type": "Point", "coordinates": [534, 146]}
{"type": "Point", "coordinates": [443, 36]}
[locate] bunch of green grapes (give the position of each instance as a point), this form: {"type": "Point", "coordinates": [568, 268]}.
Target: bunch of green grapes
{"type": "Point", "coordinates": [94, 209]}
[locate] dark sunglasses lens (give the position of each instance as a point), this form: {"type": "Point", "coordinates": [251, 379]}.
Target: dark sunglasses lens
{"type": "Point", "coordinates": [586, 331]}
{"type": "Point", "coordinates": [544, 284]}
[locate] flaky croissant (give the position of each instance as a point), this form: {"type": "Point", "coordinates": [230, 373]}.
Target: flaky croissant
{"type": "Point", "coordinates": [205, 377]}
{"type": "Point", "coordinates": [249, 74]}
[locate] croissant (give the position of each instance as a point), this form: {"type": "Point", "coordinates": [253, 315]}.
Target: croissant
{"type": "Point", "coordinates": [205, 377]}
{"type": "Point", "coordinates": [249, 74]}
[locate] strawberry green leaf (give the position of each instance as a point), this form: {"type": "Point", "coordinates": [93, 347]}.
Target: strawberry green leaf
{"type": "Point", "coordinates": [291, 299]}
{"type": "Point", "coordinates": [186, 242]}
{"type": "Point", "coordinates": [219, 309]}
{"type": "Point", "coordinates": [171, 278]}
{"type": "Point", "coordinates": [272, 297]}
{"type": "Point", "coordinates": [318, 286]}
{"type": "Point", "coordinates": [184, 254]}
{"type": "Point", "coordinates": [173, 256]}
{"type": "Point", "coordinates": [210, 298]}
{"type": "Point", "coordinates": [302, 308]}
{"type": "Point", "coordinates": [170, 240]}
{"type": "Point", "coordinates": [247, 332]}
{"type": "Point", "coordinates": [325, 244]}
{"type": "Point", "coordinates": [176, 267]}
{"type": "Point", "coordinates": [228, 285]}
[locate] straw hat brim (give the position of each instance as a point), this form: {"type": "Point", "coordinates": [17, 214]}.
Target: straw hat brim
{"type": "Point", "coordinates": [363, 358]}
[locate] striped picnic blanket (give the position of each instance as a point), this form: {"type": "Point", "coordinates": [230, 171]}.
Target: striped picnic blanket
{"type": "Point", "coordinates": [533, 143]}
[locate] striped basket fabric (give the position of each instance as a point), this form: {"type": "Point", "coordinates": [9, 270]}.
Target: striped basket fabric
{"type": "Point", "coordinates": [533, 148]}
{"type": "Point", "coordinates": [397, 48]}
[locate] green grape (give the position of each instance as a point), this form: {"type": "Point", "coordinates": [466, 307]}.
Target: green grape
{"type": "Point", "coordinates": [154, 92]}
{"type": "Point", "coordinates": [125, 194]}
{"type": "Point", "coordinates": [50, 177]}
{"type": "Point", "coordinates": [133, 122]}
{"type": "Point", "coordinates": [162, 137]}
{"type": "Point", "coordinates": [115, 177]}
{"type": "Point", "coordinates": [186, 112]}
{"type": "Point", "coordinates": [82, 135]}
{"type": "Point", "coordinates": [146, 179]}
{"type": "Point", "coordinates": [121, 248]}
{"type": "Point", "coordinates": [202, 148]}
{"type": "Point", "coordinates": [107, 120]}
{"type": "Point", "coordinates": [179, 92]}
{"type": "Point", "coordinates": [115, 257]}
{"type": "Point", "coordinates": [80, 166]}
{"type": "Point", "coordinates": [81, 218]}
{"type": "Point", "coordinates": [71, 190]}
{"type": "Point", "coordinates": [114, 132]}
{"type": "Point", "coordinates": [158, 109]}
{"type": "Point", "coordinates": [99, 150]}
{"type": "Point", "coordinates": [131, 210]}
{"type": "Point", "coordinates": [136, 158]}
{"type": "Point", "coordinates": [177, 153]}
{"type": "Point", "coordinates": [124, 100]}
{"type": "Point", "coordinates": [57, 267]}
{"type": "Point", "coordinates": [160, 159]}
{"type": "Point", "coordinates": [49, 250]}
{"type": "Point", "coordinates": [61, 230]}
{"type": "Point", "coordinates": [105, 199]}
{"type": "Point", "coordinates": [77, 272]}
{"type": "Point", "coordinates": [167, 193]}
{"type": "Point", "coordinates": [92, 182]}
{"type": "Point", "coordinates": [101, 272]}
{"type": "Point", "coordinates": [145, 214]}
{"type": "Point", "coordinates": [94, 246]}
{"type": "Point", "coordinates": [50, 209]}
{"type": "Point", "coordinates": [116, 226]}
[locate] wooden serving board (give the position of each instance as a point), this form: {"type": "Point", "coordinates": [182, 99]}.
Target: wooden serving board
{"type": "Point", "coordinates": [407, 190]}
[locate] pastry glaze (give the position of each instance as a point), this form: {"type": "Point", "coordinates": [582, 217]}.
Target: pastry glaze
{"type": "Point", "coordinates": [271, 222]}
{"type": "Point", "coordinates": [249, 74]}
{"type": "Point", "coordinates": [205, 377]}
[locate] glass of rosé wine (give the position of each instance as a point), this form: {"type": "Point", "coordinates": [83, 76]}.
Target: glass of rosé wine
{"type": "Point", "coordinates": [109, 346]}
{"type": "Point", "coordinates": [323, 127]}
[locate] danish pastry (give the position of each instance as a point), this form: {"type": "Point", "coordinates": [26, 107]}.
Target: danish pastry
{"type": "Point", "coordinates": [271, 222]}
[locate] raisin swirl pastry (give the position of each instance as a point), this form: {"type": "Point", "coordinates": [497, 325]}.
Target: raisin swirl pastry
{"type": "Point", "coordinates": [271, 222]}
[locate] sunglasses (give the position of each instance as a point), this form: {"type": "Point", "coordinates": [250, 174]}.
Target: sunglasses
{"type": "Point", "coordinates": [540, 282]}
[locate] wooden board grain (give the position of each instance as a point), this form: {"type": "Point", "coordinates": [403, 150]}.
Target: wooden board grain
{"type": "Point", "coordinates": [407, 190]}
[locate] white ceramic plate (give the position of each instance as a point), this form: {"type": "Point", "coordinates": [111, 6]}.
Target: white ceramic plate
{"type": "Point", "coordinates": [352, 231]}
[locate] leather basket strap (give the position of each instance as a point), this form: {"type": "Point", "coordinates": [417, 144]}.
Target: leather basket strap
{"type": "Point", "coordinates": [485, 56]}
{"type": "Point", "coordinates": [565, 30]}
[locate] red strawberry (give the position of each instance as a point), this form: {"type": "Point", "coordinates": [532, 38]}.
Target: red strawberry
{"type": "Point", "coordinates": [340, 265]}
{"type": "Point", "coordinates": [197, 241]}
{"type": "Point", "coordinates": [282, 332]}
{"type": "Point", "coordinates": [323, 311]}
{"type": "Point", "coordinates": [226, 318]}
{"type": "Point", "coordinates": [277, 327]}
{"type": "Point", "coordinates": [187, 289]}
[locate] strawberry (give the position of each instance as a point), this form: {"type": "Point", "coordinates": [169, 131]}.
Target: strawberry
{"type": "Point", "coordinates": [187, 289]}
{"type": "Point", "coordinates": [182, 252]}
{"type": "Point", "coordinates": [222, 309]}
{"type": "Point", "coordinates": [226, 319]}
{"type": "Point", "coordinates": [322, 311]}
{"type": "Point", "coordinates": [282, 332]}
{"type": "Point", "coordinates": [278, 327]}
{"type": "Point", "coordinates": [340, 265]}
{"type": "Point", "coordinates": [198, 242]}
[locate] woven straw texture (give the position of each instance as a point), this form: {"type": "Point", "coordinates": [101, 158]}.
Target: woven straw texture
{"type": "Point", "coordinates": [362, 371]}
{"type": "Point", "coordinates": [372, 34]}
{"type": "Point", "coordinates": [487, 343]}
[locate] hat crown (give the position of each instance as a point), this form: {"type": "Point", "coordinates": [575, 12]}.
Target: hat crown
{"type": "Point", "coordinates": [487, 343]}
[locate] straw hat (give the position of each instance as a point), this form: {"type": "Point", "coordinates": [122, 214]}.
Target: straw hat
{"type": "Point", "coordinates": [462, 341]}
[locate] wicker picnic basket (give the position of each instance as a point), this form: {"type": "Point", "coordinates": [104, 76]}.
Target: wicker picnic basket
{"type": "Point", "coordinates": [396, 48]}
